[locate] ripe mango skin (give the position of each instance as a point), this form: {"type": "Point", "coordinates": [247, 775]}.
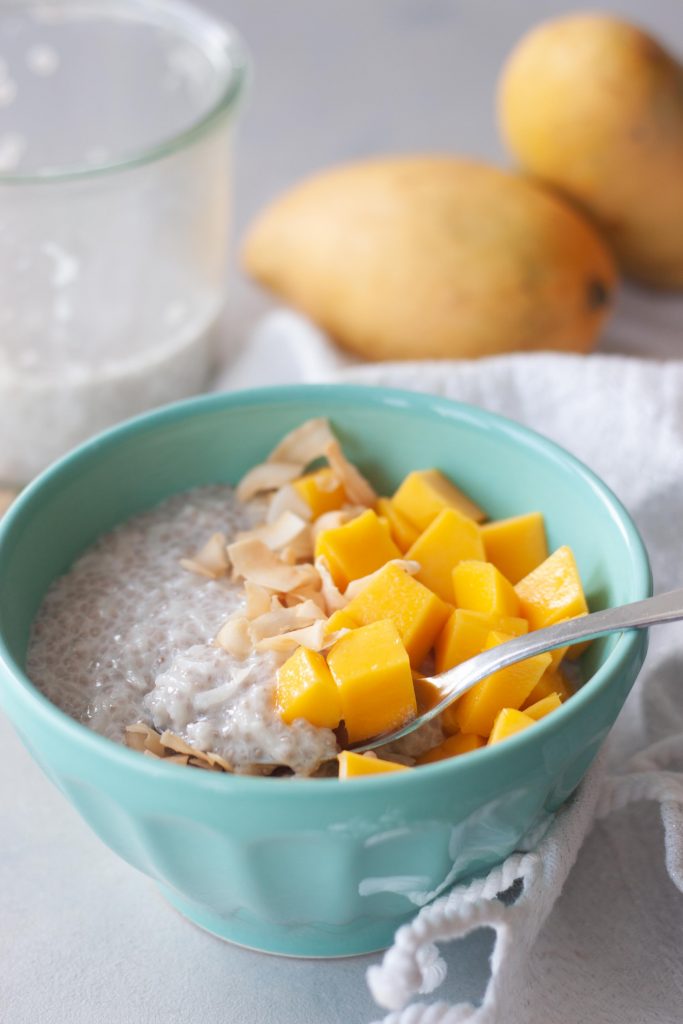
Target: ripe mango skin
{"type": "Point", "coordinates": [594, 106]}
{"type": "Point", "coordinates": [434, 257]}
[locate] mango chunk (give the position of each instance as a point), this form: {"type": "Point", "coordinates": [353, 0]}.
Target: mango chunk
{"type": "Point", "coordinates": [550, 682]}
{"type": "Point", "coordinates": [321, 491]}
{"type": "Point", "coordinates": [340, 620]}
{"type": "Point", "coordinates": [426, 492]}
{"type": "Point", "coordinates": [402, 530]}
{"type": "Point", "coordinates": [417, 613]}
{"type": "Point", "coordinates": [481, 587]}
{"type": "Point", "coordinates": [552, 591]}
{"type": "Point", "coordinates": [477, 709]}
{"type": "Point", "coordinates": [352, 765]}
{"type": "Point", "coordinates": [466, 632]}
{"type": "Point", "coordinates": [450, 538]}
{"type": "Point", "coordinates": [305, 689]}
{"type": "Point", "coordinates": [543, 707]}
{"type": "Point", "coordinates": [516, 545]}
{"type": "Point", "coordinates": [372, 671]}
{"type": "Point", "coordinates": [507, 723]}
{"type": "Point", "coordinates": [357, 548]}
{"type": "Point", "coordinates": [451, 747]}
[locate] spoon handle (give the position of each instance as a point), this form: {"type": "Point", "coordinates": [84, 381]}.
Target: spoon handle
{"type": "Point", "coordinates": [653, 611]}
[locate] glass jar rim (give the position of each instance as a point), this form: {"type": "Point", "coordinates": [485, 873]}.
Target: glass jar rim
{"type": "Point", "coordinates": [168, 12]}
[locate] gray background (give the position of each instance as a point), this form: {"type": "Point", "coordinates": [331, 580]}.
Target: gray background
{"type": "Point", "coordinates": [84, 938]}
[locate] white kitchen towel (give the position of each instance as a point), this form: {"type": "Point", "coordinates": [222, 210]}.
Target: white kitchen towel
{"type": "Point", "coordinates": [623, 417]}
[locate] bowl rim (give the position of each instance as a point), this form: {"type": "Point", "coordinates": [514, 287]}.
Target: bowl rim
{"type": "Point", "coordinates": [627, 648]}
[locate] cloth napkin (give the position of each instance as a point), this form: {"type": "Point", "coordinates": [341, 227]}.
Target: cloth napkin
{"type": "Point", "coordinates": [623, 417]}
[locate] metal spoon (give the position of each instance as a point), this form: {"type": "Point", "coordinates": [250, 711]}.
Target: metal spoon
{"type": "Point", "coordinates": [447, 686]}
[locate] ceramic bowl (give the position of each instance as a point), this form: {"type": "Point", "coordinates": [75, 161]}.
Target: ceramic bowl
{"type": "Point", "coordinates": [317, 867]}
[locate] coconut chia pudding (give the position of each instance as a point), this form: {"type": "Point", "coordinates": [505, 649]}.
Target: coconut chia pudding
{"type": "Point", "coordinates": [128, 635]}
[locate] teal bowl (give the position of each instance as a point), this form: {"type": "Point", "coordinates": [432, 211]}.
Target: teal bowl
{"type": "Point", "coordinates": [316, 867]}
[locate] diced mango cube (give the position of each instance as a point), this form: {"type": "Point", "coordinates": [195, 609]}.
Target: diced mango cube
{"type": "Point", "coordinates": [476, 710]}
{"type": "Point", "coordinates": [357, 548]}
{"type": "Point", "coordinates": [552, 591]}
{"type": "Point", "coordinates": [481, 587]}
{"type": "Point", "coordinates": [507, 723]}
{"type": "Point", "coordinates": [450, 538]}
{"type": "Point", "coordinates": [451, 747]}
{"type": "Point", "coordinates": [426, 492]}
{"type": "Point", "coordinates": [340, 620]}
{"type": "Point", "coordinates": [305, 689]}
{"type": "Point", "coordinates": [466, 632]}
{"type": "Point", "coordinates": [371, 668]}
{"type": "Point", "coordinates": [550, 682]}
{"type": "Point", "coordinates": [543, 707]}
{"type": "Point", "coordinates": [352, 765]}
{"type": "Point", "coordinates": [417, 613]}
{"type": "Point", "coordinates": [516, 545]}
{"type": "Point", "coordinates": [402, 530]}
{"type": "Point", "coordinates": [321, 491]}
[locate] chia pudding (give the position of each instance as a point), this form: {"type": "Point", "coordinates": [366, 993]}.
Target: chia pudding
{"type": "Point", "coordinates": [127, 635]}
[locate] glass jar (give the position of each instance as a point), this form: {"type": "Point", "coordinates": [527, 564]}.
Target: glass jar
{"type": "Point", "coordinates": [116, 120]}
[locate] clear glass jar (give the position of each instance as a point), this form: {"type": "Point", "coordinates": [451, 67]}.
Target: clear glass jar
{"type": "Point", "coordinates": [115, 183]}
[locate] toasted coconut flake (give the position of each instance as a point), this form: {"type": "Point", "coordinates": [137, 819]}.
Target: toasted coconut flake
{"type": "Point", "coordinates": [211, 561]}
{"type": "Point", "coordinates": [306, 594]}
{"type": "Point", "coordinates": [177, 759]}
{"type": "Point", "coordinates": [216, 761]}
{"type": "Point", "coordinates": [256, 562]}
{"type": "Point", "coordinates": [288, 530]}
{"type": "Point", "coordinates": [149, 736]}
{"type": "Point", "coordinates": [283, 620]}
{"type": "Point", "coordinates": [288, 499]}
{"type": "Point", "coordinates": [355, 586]}
{"type": "Point", "coordinates": [150, 753]}
{"type": "Point", "coordinates": [268, 476]}
{"type": "Point", "coordinates": [257, 599]}
{"type": "Point", "coordinates": [331, 520]}
{"type": "Point", "coordinates": [357, 488]}
{"type": "Point", "coordinates": [304, 444]}
{"type": "Point", "coordinates": [6, 499]}
{"type": "Point", "coordinates": [198, 763]}
{"type": "Point", "coordinates": [314, 637]}
{"type": "Point", "coordinates": [334, 599]}
{"type": "Point", "coordinates": [178, 745]}
{"type": "Point", "coordinates": [234, 637]}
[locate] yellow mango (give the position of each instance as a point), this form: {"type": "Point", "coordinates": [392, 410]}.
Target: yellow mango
{"type": "Point", "coordinates": [321, 491]}
{"type": "Point", "coordinates": [372, 671]}
{"type": "Point", "coordinates": [481, 587]}
{"type": "Point", "coordinates": [449, 539]}
{"type": "Point", "coordinates": [451, 747]}
{"type": "Point", "coordinates": [507, 723]}
{"type": "Point", "coordinates": [391, 258]}
{"type": "Point", "coordinates": [352, 765]}
{"type": "Point", "coordinates": [552, 591]}
{"type": "Point", "coordinates": [516, 545]}
{"type": "Point", "coordinates": [543, 707]}
{"type": "Point", "coordinates": [402, 530]}
{"type": "Point", "coordinates": [305, 688]}
{"type": "Point", "coordinates": [417, 613]}
{"type": "Point", "coordinates": [357, 548]}
{"type": "Point", "coordinates": [426, 492]}
{"type": "Point", "coordinates": [476, 710]}
{"type": "Point", "coordinates": [550, 682]}
{"type": "Point", "coordinates": [593, 105]}
{"type": "Point", "coordinates": [466, 632]}
{"type": "Point", "coordinates": [340, 620]}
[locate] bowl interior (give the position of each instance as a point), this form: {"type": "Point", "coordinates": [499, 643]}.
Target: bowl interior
{"type": "Point", "coordinates": [505, 468]}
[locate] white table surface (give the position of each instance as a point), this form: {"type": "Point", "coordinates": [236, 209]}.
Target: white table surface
{"type": "Point", "coordinates": [83, 934]}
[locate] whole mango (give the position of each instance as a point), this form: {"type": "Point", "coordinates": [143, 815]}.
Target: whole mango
{"type": "Point", "coordinates": [434, 257]}
{"type": "Point", "coordinates": [594, 106]}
